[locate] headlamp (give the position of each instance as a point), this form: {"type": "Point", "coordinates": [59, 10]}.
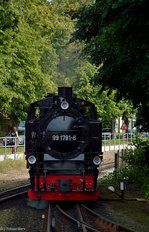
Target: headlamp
{"type": "Point", "coordinates": [96, 160]}
{"type": "Point", "coordinates": [32, 159]}
{"type": "Point", "coordinates": [64, 105]}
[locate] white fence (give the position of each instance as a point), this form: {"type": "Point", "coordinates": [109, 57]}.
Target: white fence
{"type": "Point", "coordinates": [117, 141]}
{"type": "Point", "coordinates": [110, 142]}
{"type": "Point", "coordinates": [12, 146]}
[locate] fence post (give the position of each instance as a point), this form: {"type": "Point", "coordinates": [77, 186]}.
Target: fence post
{"type": "Point", "coordinates": [5, 148]}
{"type": "Point", "coordinates": [122, 162]}
{"type": "Point", "coordinates": [117, 161]}
{"type": "Point", "coordinates": [24, 142]}
{"type": "Point", "coordinates": [15, 150]}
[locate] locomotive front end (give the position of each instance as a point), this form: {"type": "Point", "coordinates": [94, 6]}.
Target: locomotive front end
{"type": "Point", "coordinates": [63, 148]}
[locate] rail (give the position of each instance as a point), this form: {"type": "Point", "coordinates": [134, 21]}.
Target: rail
{"type": "Point", "coordinates": [79, 218]}
{"type": "Point", "coordinates": [15, 192]}
{"type": "Point", "coordinates": [106, 224]}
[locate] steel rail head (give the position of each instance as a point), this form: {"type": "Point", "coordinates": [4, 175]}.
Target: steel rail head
{"type": "Point", "coordinates": [106, 223]}
{"type": "Point", "coordinates": [49, 221]}
{"type": "Point", "coordinates": [14, 189]}
{"type": "Point", "coordinates": [13, 195]}
{"type": "Point", "coordinates": [79, 223]}
{"type": "Point", "coordinates": [81, 218]}
{"type": "Point", "coordinates": [67, 215]}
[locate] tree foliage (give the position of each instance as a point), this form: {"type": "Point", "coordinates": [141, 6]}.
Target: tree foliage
{"type": "Point", "coordinates": [68, 53]}
{"type": "Point", "coordinates": [107, 107]}
{"type": "Point", "coordinates": [37, 54]}
{"type": "Point", "coordinates": [35, 51]}
{"type": "Point", "coordinates": [116, 35]}
{"type": "Point", "coordinates": [136, 171]}
{"type": "Point", "coordinates": [25, 44]}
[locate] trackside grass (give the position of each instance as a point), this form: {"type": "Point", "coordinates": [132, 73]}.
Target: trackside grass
{"type": "Point", "coordinates": [9, 150]}
{"type": "Point", "coordinates": [9, 164]}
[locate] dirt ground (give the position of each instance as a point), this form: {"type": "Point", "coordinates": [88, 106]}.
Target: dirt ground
{"type": "Point", "coordinates": [108, 156]}
{"type": "Point", "coordinates": [13, 178]}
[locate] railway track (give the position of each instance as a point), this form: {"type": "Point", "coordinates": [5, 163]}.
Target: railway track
{"type": "Point", "coordinates": [79, 219]}
{"type": "Point", "coordinates": [105, 169]}
{"type": "Point", "coordinates": [107, 165]}
{"type": "Point", "coordinates": [11, 193]}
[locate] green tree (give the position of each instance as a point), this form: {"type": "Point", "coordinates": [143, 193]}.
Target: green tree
{"type": "Point", "coordinates": [37, 53]}
{"type": "Point", "coordinates": [107, 107]}
{"type": "Point", "coordinates": [68, 53]}
{"type": "Point", "coordinates": [23, 43]}
{"type": "Point", "coordinates": [116, 35]}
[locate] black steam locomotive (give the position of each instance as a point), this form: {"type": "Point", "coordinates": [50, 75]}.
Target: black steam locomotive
{"type": "Point", "coordinates": [63, 148]}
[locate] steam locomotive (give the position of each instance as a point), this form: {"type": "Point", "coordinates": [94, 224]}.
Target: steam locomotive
{"type": "Point", "coordinates": [63, 148]}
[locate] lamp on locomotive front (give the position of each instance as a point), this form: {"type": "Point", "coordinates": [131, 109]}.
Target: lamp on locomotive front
{"type": "Point", "coordinates": [64, 105]}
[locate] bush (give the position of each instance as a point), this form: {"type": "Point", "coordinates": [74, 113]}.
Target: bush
{"type": "Point", "coordinates": [137, 169]}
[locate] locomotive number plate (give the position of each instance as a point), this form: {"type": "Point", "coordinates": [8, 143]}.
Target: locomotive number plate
{"type": "Point", "coordinates": [64, 137]}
